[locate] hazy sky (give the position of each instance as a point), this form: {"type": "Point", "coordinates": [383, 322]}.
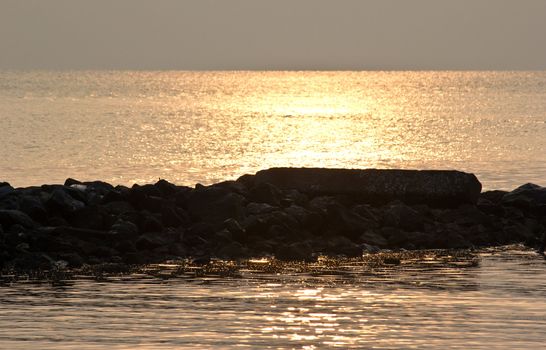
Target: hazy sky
{"type": "Point", "coordinates": [276, 34]}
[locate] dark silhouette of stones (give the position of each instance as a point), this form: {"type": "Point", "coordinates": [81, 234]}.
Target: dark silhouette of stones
{"type": "Point", "coordinates": [265, 193]}
{"type": "Point", "coordinates": [73, 259]}
{"type": "Point", "coordinates": [174, 217]}
{"type": "Point", "coordinates": [60, 201]}
{"type": "Point", "coordinates": [124, 228]}
{"type": "Point", "coordinates": [232, 250]}
{"type": "Point", "coordinates": [215, 205]}
{"type": "Point", "coordinates": [5, 189]}
{"type": "Point", "coordinates": [166, 189]}
{"type": "Point", "coordinates": [198, 234]}
{"type": "Point", "coordinates": [404, 217]}
{"type": "Point", "coordinates": [495, 196]}
{"type": "Point", "coordinates": [33, 207]}
{"type": "Point", "coordinates": [253, 208]}
{"type": "Point", "coordinates": [373, 238]}
{"type": "Point", "coordinates": [12, 217]}
{"type": "Point", "coordinates": [237, 231]}
{"type": "Point", "coordinates": [445, 188]}
{"type": "Point", "coordinates": [295, 251]}
{"type": "Point", "coordinates": [150, 222]}
{"type": "Point", "coordinates": [343, 221]}
{"type": "Point", "coordinates": [292, 213]}
{"type": "Point", "coordinates": [150, 241]}
{"type": "Point", "coordinates": [91, 216]}
{"type": "Point", "coordinates": [118, 207]}
{"type": "Point", "coordinates": [343, 246]}
{"type": "Point", "coordinates": [33, 261]}
{"type": "Point", "coordinates": [526, 196]}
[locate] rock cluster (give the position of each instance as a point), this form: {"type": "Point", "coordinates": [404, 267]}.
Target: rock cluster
{"type": "Point", "coordinates": [324, 211]}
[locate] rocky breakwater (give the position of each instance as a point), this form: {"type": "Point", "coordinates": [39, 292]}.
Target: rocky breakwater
{"type": "Point", "coordinates": [289, 213]}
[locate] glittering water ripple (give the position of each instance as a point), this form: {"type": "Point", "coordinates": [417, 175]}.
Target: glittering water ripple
{"type": "Point", "coordinates": [493, 300]}
{"type": "Point", "coordinates": [189, 127]}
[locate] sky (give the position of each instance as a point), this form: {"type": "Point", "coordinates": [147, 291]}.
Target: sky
{"type": "Point", "coordinates": [275, 35]}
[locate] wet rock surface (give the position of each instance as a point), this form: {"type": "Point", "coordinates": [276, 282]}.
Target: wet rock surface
{"type": "Point", "coordinates": [321, 213]}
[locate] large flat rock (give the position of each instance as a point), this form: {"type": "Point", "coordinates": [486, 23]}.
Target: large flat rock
{"type": "Point", "coordinates": [445, 188]}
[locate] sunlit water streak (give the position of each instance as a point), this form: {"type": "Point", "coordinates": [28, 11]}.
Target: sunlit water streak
{"type": "Point", "coordinates": [498, 303]}
{"type": "Point", "coordinates": [189, 127]}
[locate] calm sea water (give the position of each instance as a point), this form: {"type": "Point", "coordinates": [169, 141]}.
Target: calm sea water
{"type": "Point", "coordinates": [189, 127]}
{"type": "Point", "coordinates": [497, 300]}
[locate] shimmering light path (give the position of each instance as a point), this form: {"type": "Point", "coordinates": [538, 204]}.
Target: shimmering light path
{"type": "Point", "coordinates": [495, 301]}
{"type": "Point", "coordinates": [188, 127]}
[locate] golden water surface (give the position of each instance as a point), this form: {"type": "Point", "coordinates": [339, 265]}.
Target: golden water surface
{"type": "Point", "coordinates": [189, 127]}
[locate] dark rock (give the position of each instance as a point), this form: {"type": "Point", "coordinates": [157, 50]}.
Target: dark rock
{"type": "Point", "coordinates": [265, 193]}
{"type": "Point", "coordinates": [489, 207]}
{"type": "Point", "coordinates": [147, 190]}
{"type": "Point", "coordinates": [466, 215]}
{"type": "Point", "coordinates": [174, 217]}
{"type": "Point", "coordinates": [223, 237]}
{"type": "Point", "coordinates": [320, 204]}
{"type": "Point", "coordinates": [73, 259]}
{"type": "Point", "coordinates": [344, 246]}
{"type": "Point", "coordinates": [526, 196]}
{"type": "Point", "coordinates": [16, 235]}
{"type": "Point", "coordinates": [198, 234]}
{"type": "Point", "coordinates": [232, 186]}
{"type": "Point", "coordinates": [367, 212]}
{"type": "Point", "coordinates": [495, 197]}
{"type": "Point", "coordinates": [33, 207]}
{"type": "Point", "coordinates": [253, 208]}
{"type": "Point", "coordinates": [166, 188]}
{"type": "Point", "coordinates": [513, 213]}
{"type": "Point", "coordinates": [135, 259]}
{"type": "Point", "coordinates": [85, 234]}
{"type": "Point", "coordinates": [304, 217]}
{"type": "Point", "coordinates": [100, 187]}
{"type": "Point", "coordinates": [5, 189]}
{"type": "Point", "coordinates": [443, 188]}
{"type": "Point", "coordinates": [215, 205]}
{"type": "Point", "coordinates": [124, 228]}
{"type": "Point", "coordinates": [125, 246]}
{"type": "Point", "coordinates": [91, 217]}
{"type": "Point", "coordinates": [404, 217]}
{"type": "Point", "coordinates": [151, 223]}
{"type": "Point", "coordinates": [519, 233]}
{"type": "Point", "coordinates": [61, 201]}
{"type": "Point", "coordinates": [295, 197]}
{"type": "Point", "coordinates": [150, 241]}
{"type": "Point", "coordinates": [373, 238]}
{"type": "Point", "coordinates": [70, 181]}
{"type": "Point", "coordinates": [280, 233]}
{"type": "Point", "coordinates": [343, 221]}
{"type": "Point", "coordinates": [301, 251]}
{"type": "Point", "coordinates": [237, 231]}
{"type": "Point", "coordinates": [33, 261]}
{"type": "Point", "coordinates": [118, 207]}
{"type": "Point", "coordinates": [255, 226]}
{"type": "Point", "coordinates": [119, 194]}
{"type": "Point", "coordinates": [231, 250]}
{"type": "Point", "coordinates": [56, 221]}
{"type": "Point", "coordinates": [12, 217]}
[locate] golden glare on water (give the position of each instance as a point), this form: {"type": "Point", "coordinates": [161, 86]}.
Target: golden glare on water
{"type": "Point", "coordinates": [189, 127]}
{"type": "Point", "coordinates": [490, 299]}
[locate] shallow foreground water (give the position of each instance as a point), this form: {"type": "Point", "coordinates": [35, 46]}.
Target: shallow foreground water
{"type": "Point", "coordinates": [489, 299]}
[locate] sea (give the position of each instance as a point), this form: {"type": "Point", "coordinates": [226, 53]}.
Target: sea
{"type": "Point", "coordinates": [127, 127]}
